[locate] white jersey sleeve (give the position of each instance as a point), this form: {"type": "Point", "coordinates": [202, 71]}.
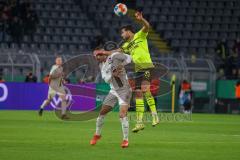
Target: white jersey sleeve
{"type": "Point", "coordinates": [112, 62]}
{"type": "Point", "coordinates": [119, 58]}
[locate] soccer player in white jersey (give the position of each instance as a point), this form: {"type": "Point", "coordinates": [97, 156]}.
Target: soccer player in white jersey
{"type": "Point", "coordinates": [113, 72]}
{"type": "Point", "coordinates": [56, 88]}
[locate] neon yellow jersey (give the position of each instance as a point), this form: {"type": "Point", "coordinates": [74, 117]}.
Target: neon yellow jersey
{"type": "Point", "coordinates": [138, 49]}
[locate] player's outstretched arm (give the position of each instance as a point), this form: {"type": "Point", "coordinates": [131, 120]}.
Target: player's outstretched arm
{"type": "Point", "coordinates": [112, 51]}
{"type": "Point", "coordinates": [108, 53]}
{"type": "Point", "coordinates": [146, 25]}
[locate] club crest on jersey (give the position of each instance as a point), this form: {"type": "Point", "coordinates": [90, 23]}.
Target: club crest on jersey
{"type": "Point", "coordinates": [109, 60]}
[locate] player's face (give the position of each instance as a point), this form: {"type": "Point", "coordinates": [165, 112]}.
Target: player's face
{"type": "Point", "coordinates": [101, 58]}
{"type": "Point", "coordinates": [59, 61]}
{"type": "Point", "coordinates": [125, 34]}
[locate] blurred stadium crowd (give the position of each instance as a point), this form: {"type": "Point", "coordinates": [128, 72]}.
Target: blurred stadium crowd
{"type": "Point", "coordinates": [17, 19]}
{"type": "Point", "coordinates": [187, 28]}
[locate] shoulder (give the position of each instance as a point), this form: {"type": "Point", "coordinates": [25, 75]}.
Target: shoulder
{"type": "Point", "coordinates": [115, 54]}
{"type": "Point", "coordinates": [54, 66]}
{"type": "Point", "coordinates": [140, 33]}
{"type": "Point", "coordinates": [125, 44]}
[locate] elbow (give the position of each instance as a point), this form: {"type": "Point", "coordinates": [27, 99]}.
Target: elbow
{"type": "Point", "coordinates": [147, 26]}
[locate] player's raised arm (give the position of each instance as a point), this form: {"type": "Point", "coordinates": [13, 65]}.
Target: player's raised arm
{"type": "Point", "coordinates": [112, 51]}
{"type": "Point", "coordinates": [146, 25]}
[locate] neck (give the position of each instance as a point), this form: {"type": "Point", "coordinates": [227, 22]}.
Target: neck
{"type": "Point", "coordinates": [131, 37]}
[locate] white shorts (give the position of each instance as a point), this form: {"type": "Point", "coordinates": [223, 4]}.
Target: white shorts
{"type": "Point", "coordinates": [58, 91]}
{"type": "Point", "coordinates": [122, 96]}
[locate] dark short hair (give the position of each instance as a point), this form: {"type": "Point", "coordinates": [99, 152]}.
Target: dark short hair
{"type": "Point", "coordinates": [127, 28]}
{"type": "Point", "coordinates": [58, 56]}
{"type": "Point", "coordinates": [139, 9]}
{"type": "Point", "coordinates": [99, 47]}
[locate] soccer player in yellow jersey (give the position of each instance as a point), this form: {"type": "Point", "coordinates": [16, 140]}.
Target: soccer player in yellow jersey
{"type": "Point", "coordinates": [136, 45]}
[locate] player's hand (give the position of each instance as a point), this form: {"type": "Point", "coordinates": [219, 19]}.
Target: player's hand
{"type": "Point", "coordinates": [102, 52]}
{"type": "Point", "coordinates": [97, 52]}
{"type": "Point", "coordinates": [139, 16]}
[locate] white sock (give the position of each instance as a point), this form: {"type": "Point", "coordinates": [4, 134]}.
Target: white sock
{"type": "Point", "coordinates": [99, 124]}
{"type": "Point", "coordinates": [44, 104]}
{"type": "Point", "coordinates": [64, 107]}
{"type": "Point", "coordinates": [125, 127]}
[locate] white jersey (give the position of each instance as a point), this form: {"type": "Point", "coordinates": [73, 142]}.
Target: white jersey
{"type": "Point", "coordinates": [107, 68]}
{"type": "Point", "coordinates": [57, 82]}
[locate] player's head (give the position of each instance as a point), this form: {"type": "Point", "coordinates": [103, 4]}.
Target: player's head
{"type": "Point", "coordinates": [99, 55]}
{"type": "Point", "coordinates": [126, 32]}
{"type": "Point", "coordinates": [58, 60]}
